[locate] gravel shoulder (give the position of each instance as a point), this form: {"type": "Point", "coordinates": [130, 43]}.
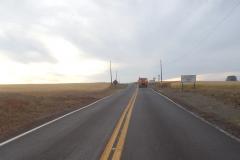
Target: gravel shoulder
{"type": "Point", "coordinates": [218, 106]}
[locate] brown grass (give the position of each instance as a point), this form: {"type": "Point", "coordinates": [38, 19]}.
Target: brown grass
{"type": "Point", "coordinates": [21, 106]}
{"type": "Point", "coordinates": [85, 87]}
{"type": "Point", "coordinates": [208, 85]}
{"type": "Point", "coordinates": [227, 92]}
{"type": "Point", "coordinates": [218, 100]}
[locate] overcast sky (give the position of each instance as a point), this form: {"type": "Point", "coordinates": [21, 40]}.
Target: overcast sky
{"type": "Point", "coordinates": [52, 41]}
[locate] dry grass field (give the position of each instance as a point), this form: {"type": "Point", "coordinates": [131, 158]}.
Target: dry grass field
{"type": "Point", "coordinates": [227, 92]}
{"type": "Point", "coordinates": [208, 85]}
{"type": "Point", "coordinates": [218, 102]}
{"type": "Point", "coordinates": [24, 106]}
{"type": "Point", "coordinates": [31, 88]}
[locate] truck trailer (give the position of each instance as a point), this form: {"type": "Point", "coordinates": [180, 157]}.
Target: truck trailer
{"type": "Point", "coordinates": [142, 82]}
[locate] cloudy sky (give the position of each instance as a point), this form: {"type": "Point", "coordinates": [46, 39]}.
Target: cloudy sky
{"type": "Point", "coordinates": [52, 41]}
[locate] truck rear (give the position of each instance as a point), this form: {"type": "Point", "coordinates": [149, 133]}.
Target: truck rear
{"type": "Point", "coordinates": [142, 82]}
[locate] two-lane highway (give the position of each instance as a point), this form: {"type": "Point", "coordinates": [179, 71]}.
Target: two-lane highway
{"type": "Point", "coordinates": [134, 124]}
{"type": "Point", "coordinates": [81, 135]}
{"type": "Point", "coordinates": [159, 129]}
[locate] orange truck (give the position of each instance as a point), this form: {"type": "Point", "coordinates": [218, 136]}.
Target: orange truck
{"type": "Point", "coordinates": [142, 82]}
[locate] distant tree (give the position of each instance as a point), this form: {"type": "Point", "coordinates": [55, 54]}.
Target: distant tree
{"type": "Point", "coordinates": [231, 78]}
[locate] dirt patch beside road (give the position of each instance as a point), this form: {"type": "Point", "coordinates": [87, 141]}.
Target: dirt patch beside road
{"type": "Point", "coordinates": [219, 104]}
{"type": "Point", "coordinates": [24, 106]}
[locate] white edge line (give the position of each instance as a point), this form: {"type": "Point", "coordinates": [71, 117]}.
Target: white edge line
{"type": "Point", "coordinates": [52, 121]}
{"type": "Point", "coordinates": [200, 118]}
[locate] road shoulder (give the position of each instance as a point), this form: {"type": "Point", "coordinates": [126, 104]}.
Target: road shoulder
{"type": "Point", "coordinates": [21, 119]}
{"type": "Point", "coordinates": [212, 119]}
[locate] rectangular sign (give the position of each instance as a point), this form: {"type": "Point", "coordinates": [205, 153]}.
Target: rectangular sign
{"type": "Point", "coordinates": [188, 78]}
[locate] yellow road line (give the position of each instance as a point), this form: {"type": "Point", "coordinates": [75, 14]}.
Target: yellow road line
{"type": "Point", "coordinates": [119, 148]}
{"type": "Point", "coordinates": [107, 151]}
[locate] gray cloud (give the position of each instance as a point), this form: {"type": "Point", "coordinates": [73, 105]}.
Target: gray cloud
{"type": "Point", "coordinates": [191, 36]}
{"type": "Point", "coordinates": [17, 21]}
{"type": "Point", "coordinates": [24, 49]}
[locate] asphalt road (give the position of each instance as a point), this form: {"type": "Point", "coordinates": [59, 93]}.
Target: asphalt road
{"type": "Point", "coordinates": [158, 129]}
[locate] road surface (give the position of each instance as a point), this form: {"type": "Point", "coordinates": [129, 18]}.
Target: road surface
{"type": "Point", "coordinates": [133, 124]}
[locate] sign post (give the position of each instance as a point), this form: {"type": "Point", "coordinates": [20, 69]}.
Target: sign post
{"type": "Point", "coordinates": [188, 79]}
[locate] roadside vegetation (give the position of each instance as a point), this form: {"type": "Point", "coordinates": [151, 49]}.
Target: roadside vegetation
{"type": "Point", "coordinates": [25, 106]}
{"type": "Point", "coordinates": [218, 102]}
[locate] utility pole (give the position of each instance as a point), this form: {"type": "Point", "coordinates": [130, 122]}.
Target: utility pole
{"type": "Point", "coordinates": [111, 71]}
{"type": "Point", "coordinates": [161, 71]}
{"type": "Point", "coordinates": [116, 75]}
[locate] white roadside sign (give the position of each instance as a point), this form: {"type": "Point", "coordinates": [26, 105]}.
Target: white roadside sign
{"type": "Point", "coordinates": [188, 78]}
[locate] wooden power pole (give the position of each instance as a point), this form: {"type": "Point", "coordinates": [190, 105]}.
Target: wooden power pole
{"type": "Point", "coordinates": [161, 70]}
{"type": "Point", "coordinates": [161, 76]}
{"type": "Point", "coordinates": [111, 71]}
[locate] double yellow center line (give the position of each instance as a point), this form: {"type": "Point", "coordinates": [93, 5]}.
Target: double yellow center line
{"type": "Point", "coordinates": [120, 132]}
